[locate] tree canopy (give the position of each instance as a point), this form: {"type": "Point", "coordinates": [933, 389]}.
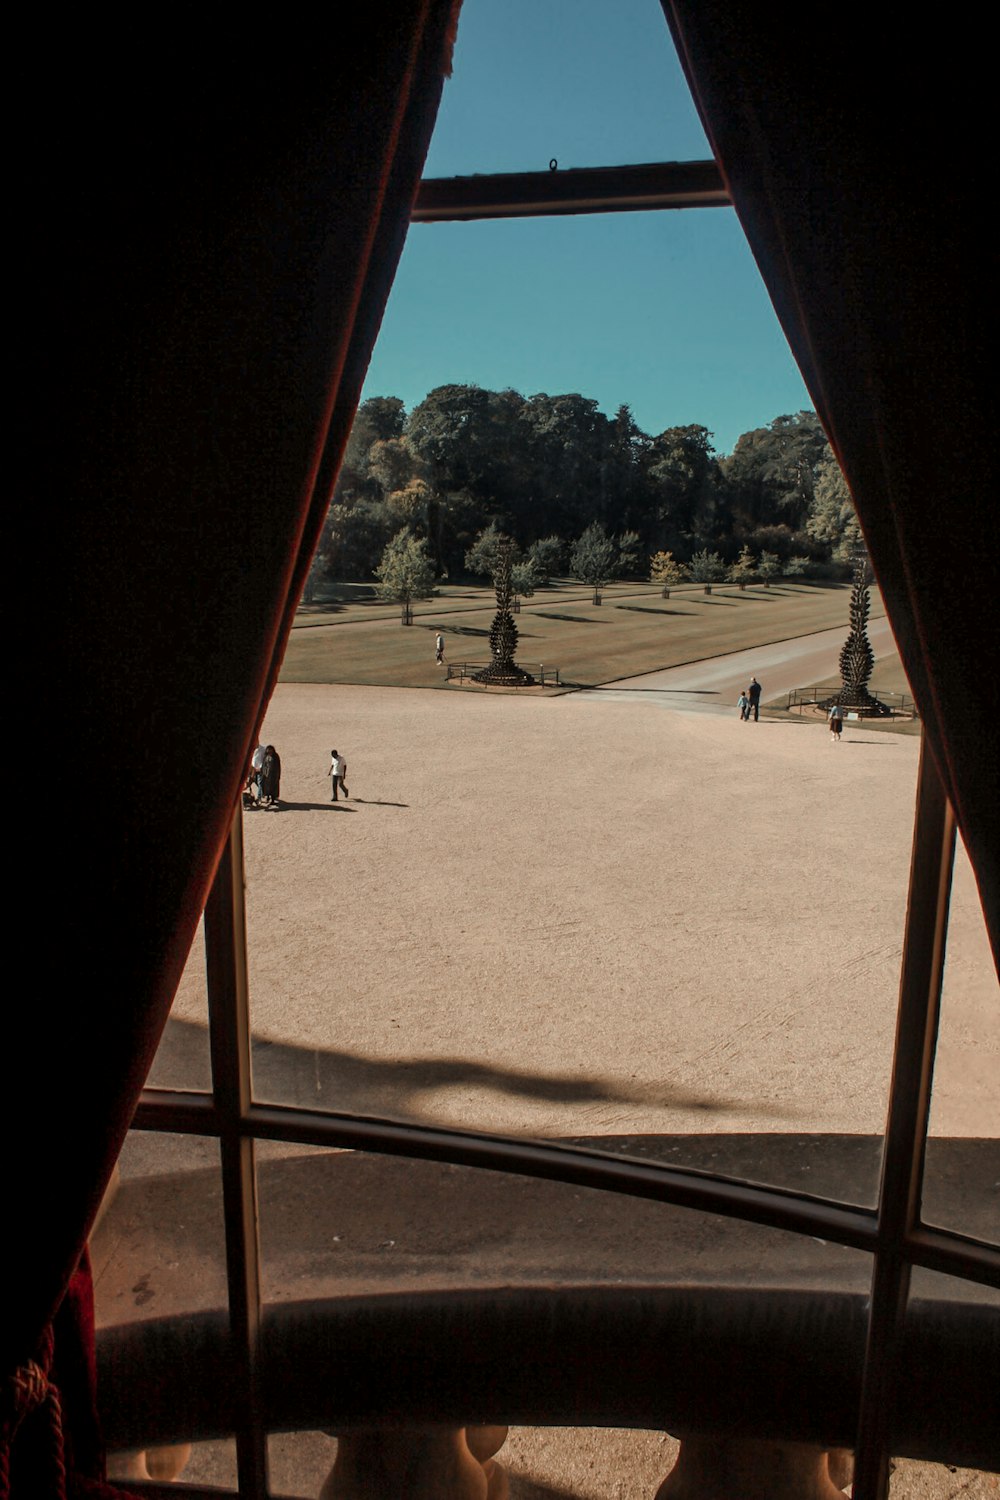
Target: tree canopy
{"type": "Point", "coordinates": [544, 469]}
{"type": "Point", "coordinates": [405, 572]}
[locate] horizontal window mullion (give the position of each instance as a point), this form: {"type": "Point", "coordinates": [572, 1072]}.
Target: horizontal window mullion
{"type": "Point", "coordinates": [647, 187]}
{"type": "Point", "coordinates": [177, 1111]}
{"type": "Point", "coordinates": [685, 1187]}
{"type": "Point", "coordinates": [954, 1254]}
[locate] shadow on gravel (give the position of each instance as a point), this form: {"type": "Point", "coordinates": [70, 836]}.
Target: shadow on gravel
{"type": "Point", "coordinates": [309, 807]}
{"type": "Point", "coordinates": [325, 1078]}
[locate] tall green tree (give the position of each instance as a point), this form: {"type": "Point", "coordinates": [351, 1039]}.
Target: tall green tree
{"type": "Point", "coordinates": [744, 569]}
{"type": "Point", "coordinates": [547, 556]}
{"type": "Point", "coordinates": [771, 473]}
{"type": "Point", "coordinates": [470, 440]}
{"type": "Point", "coordinates": [455, 519]}
{"type": "Point", "coordinates": [405, 572]}
{"type": "Point", "coordinates": [666, 571]}
{"type": "Point", "coordinates": [707, 568]}
{"type": "Point", "coordinates": [768, 567]}
{"type": "Point", "coordinates": [483, 557]}
{"type": "Point", "coordinates": [593, 558]}
{"type": "Point", "coordinates": [523, 580]}
{"type": "Point", "coordinates": [354, 537]}
{"type": "Point", "coordinates": [628, 553]}
{"type": "Point", "coordinates": [566, 451]}
{"type": "Point", "coordinates": [832, 520]}
{"type": "Point", "coordinates": [379, 419]}
{"type": "Point", "coordinates": [683, 484]}
{"type": "Point", "coordinates": [393, 464]}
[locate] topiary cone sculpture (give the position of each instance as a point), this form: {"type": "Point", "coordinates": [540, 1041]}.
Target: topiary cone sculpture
{"type": "Point", "coordinates": [857, 659]}
{"type": "Point", "coordinates": [503, 669]}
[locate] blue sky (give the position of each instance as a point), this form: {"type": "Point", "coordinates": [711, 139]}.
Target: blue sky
{"type": "Point", "coordinates": [663, 311]}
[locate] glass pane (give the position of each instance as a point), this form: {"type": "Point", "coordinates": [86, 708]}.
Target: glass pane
{"type": "Point", "coordinates": [542, 1463]}
{"type": "Point", "coordinates": [663, 311]}
{"type": "Point", "coordinates": [158, 1255]}
{"type": "Point", "coordinates": [962, 1173]}
{"type": "Point", "coordinates": [910, 1479]}
{"type": "Point", "coordinates": [588, 1463]}
{"type": "Point", "coordinates": [298, 1463]}
{"type": "Point", "coordinates": [585, 915]}
{"type": "Point", "coordinates": [211, 1464]}
{"type": "Point", "coordinates": [948, 1398]}
{"type": "Point", "coordinates": [159, 1247]}
{"type": "Point", "coordinates": [585, 919]}
{"type": "Point", "coordinates": [183, 1059]}
{"type": "Point", "coordinates": [589, 83]}
{"type": "Point", "coordinates": [337, 1223]}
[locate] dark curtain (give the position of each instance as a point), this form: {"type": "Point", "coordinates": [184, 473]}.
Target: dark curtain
{"type": "Point", "coordinates": [212, 211]}
{"type": "Point", "coordinates": [853, 139]}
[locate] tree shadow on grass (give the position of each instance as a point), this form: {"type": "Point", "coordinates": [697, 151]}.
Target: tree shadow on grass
{"type": "Point", "coordinates": [475, 630]}
{"type": "Point", "coordinates": [649, 609]}
{"type": "Point", "coordinates": [544, 614]}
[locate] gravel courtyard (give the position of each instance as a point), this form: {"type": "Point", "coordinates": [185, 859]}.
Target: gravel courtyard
{"type": "Point", "coordinates": [576, 917]}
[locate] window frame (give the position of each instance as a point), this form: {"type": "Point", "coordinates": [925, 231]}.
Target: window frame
{"type": "Point", "coordinates": [892, 1232]}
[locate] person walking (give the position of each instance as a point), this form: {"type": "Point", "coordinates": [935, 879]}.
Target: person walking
{"type": "Point", "coordinates": [256, 772]}
{"type": "Point", "coordinates": [439, 649]}
{"type": "Point", "coordinates": [753, 693]}
{"type": "Point", "coordinates": [743, 704]}
{"type": "Point", "coordinates": [337, 774]}
{"type": "Point", "coordinates": [270, 777]}
{"type": "Point", "coordinates": [836, 718]}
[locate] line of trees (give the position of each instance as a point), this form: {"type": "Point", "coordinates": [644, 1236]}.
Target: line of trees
{"type": "Point", "coordinates": [580, 491]}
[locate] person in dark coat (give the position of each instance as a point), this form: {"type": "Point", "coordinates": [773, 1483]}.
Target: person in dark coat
{"type": "Point", "coordinates": [753, 693]}
{"type": "Point", "coordinates": [270, 777]}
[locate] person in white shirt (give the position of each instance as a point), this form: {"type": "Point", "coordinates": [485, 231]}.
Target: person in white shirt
{"type": "Point", "coordinates": [337, 774]}
{"type": "Point", "coordinates": [439, 649]}
{"type": "Point", "coordinates": [252, 787]}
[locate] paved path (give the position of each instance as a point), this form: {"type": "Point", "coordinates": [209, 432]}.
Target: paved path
{"type": "Point", "coordinates": [713, 686]}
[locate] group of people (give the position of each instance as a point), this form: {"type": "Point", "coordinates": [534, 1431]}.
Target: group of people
{"type": "Point", "coordinates": [263, 781]}
{"type": "Point", "coordinates": [749, 701]}
{"type": "Point", "coordinates": [263, 784]}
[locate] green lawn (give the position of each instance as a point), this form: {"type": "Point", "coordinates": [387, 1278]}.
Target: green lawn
{"type": "Point", "coordinates": [635, 630]}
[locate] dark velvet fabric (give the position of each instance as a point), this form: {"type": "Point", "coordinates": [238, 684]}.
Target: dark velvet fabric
{"type": "Point", "coordinates": [853, 141]}
{"type": "Point", "coordinates": [212, 227]}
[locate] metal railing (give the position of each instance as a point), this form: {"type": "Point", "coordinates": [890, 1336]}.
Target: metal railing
{"type": "Point", "coordinates": [899, 704]}
{"type": "Point", "coordinates": [545, 676]}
